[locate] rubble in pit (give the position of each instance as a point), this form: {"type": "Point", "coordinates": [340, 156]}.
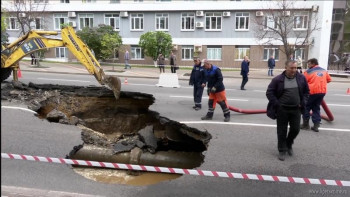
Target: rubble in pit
{"type": "Point", "coordinates": [114, 130]}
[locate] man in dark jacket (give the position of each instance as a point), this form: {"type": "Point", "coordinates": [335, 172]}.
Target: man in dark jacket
{"type": "Point", "coordinates": [271, 64]}
{"type": "Point", "coordinates": [198, 81]}
{"type": "Point", "coordinates": [244, 71]}
{"type": "Point", "coordinates": [216, 91]}
{"type": "Point", "coordinates": [33, 59]}
{"type": "Point", "coordinates": [287, 95]}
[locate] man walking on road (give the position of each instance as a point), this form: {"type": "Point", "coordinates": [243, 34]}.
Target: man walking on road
{"type": "Point", "coordinates": [271, 64]}
{"type": "Point", "coordinates": [317, 79]}
{"type": "Point", "coordinates": [216, 91]}
{"type": "Point", "coordinates": [127, 58]}
{"type": "Point", "coordinates": [198, 81]}
{"type": "Point", "coordinates": [287, 94]}
{"type": "Point", "coordinates": [244, 71]}
{"type": "Point", "coordinates": [33, 59]}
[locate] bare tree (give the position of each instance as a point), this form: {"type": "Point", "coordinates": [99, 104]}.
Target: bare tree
{"type": "Point", "coordinates": [29, 14]}
{"type": "Point", "coordinates": [284, 22]}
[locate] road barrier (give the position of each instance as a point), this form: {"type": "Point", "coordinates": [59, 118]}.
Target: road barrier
{"type": "Point", "coordinates": [198, 172]}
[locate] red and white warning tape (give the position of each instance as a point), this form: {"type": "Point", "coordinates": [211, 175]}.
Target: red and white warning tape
{"type": "Point", "coordinates": [339, 183]}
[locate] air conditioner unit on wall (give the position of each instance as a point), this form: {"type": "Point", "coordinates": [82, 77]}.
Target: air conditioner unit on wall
{"type": "Point", "coordinates": [199, 13]}
{"type": "Point", "coordinates": [175, 47]}
{"type": "Point", "coordinates": [124, 14]}
{"type": "Point", "coordinates": [72, 23]}
{"type": "Point", "coordinates": [198, 48]}
{"type": "Point", "coordinates": [286, 13]}
{"type": "Point", "coordinates": [22, 14]}
{"type": "Point", "coordinates": [199, 24]}
{"type": "Point", "coordinates": [259, 13]}
{"type": "Point", "coordinates": [72, 14]}
{"type": "Point", "coordinates": [226, 14]}
{"type": "Point", "coordinates": [314, 8]}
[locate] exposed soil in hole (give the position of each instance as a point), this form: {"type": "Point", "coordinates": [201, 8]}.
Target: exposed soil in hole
{"type": "Point", "coordinates": [120, 131]}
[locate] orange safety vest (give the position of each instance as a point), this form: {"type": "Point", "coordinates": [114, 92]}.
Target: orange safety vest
{"type": "Point", "coordinates": [317, 78]}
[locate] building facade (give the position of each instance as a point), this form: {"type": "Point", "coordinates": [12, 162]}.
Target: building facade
{"type": "Point", "coordinates": [221, 31]}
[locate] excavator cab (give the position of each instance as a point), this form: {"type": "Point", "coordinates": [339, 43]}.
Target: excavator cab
{"type": "Point", "coordinates": [37, 40]}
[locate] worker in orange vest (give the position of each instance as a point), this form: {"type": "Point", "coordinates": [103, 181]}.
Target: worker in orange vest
{"type": "Point", "coordinates": [317, 78]}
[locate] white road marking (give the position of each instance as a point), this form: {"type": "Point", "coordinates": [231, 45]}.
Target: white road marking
{"type": "Point", "coordinates": [140, 74]}
{"type": "Point", "coordinates": [338, 105]}
{"type": "Point", "coordinates": [50, 79]}
{"type": "Point", "coordinates": [341, 94]}
{"type": "Point", "coordinates": [20, 108]}
{"type": "Point", "coordinates": [252, 124]}
{"type": "Point", "coordinates": [205, 97]}
{"type": "Point", "coordinates": [138, 84]}
{"type": "Point", "coordinates": [260, 91]}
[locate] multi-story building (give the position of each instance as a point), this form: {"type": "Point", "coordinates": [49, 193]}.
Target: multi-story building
{"type": "Point", "coordinates": [340, 34]}
{"type": "Point", "coordinates": [221, 31]}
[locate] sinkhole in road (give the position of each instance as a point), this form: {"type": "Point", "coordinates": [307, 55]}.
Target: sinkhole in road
{"type": "Point", "coordinates": [119, 131]}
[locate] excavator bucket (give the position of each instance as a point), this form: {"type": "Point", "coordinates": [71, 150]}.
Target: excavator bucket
{"type": "Point", "coordinates": [114, 84]}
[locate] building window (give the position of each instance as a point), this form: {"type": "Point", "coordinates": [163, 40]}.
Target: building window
{"type": "Point", "coordinates": [137, 53]}
{"type": "Point", "coordinates": [60, 19]}
{"type": "Point", "coordinates": [270, 23]}
{"type": "Point", "coordinates": [37, 24]}
{"type": "Point", "coordinates": [336, 27]}
{"type": "Point", "coordinates": [241, 51]}
{"type": "Point", "coordinates": [300, 21]}
{"type": "Point", "coordinates": [138, 0]}
{"type": "Point", "coordinates": [338, 14]}
{"type": "Point", "coordinates": [61, 52]}
{"type": "Point", "coordinates": [41, 1]}
{"type": "Point", "coordinates": [86, 20]}
{"type": "Point", "coordinates": [213, 21]}
{"type": "Point", "coordinates": [271, 51]}
{"type": "Point", "coordinates": [88, 1]}
{"type": "Point", "coordinates": [162, 21]}
{"type": "Point", "coordinates": [112, 20]}
{"type": "Point", "coordinates": [12, 23]}
{"type": "Point", "coordinates": [242, 21]}
{"type": "Point", "coordinates": [115, 1]}
{"type": "Point", "coordinates": [64, 1]}
{"type": "Point", "coordinates": [187, 52]}
{"type": "Point", "coordinates": [299, 53]}
{"type": "Point", "coordinates": [214, 52]}
{"type": "Point", "coordinates": [136, 21]}
{"type": "Point", "coordinates": [187, 21]}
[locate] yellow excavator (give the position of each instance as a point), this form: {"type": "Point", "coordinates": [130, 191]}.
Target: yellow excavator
{"type": "Point", "coordinates": [36, 40]}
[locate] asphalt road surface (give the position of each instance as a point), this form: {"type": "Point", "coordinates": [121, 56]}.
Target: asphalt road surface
{"type": "Point", "coordinates": [247, 144]}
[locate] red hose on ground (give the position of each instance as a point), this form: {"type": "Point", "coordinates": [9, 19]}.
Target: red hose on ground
{"type": "Point", "coordinates": [244, 111]}
{"type": "Point", "coordinates": [329, 116]}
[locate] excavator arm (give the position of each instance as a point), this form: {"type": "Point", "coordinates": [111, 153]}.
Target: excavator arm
{"type": "Point", "coordinates": [38, 40]}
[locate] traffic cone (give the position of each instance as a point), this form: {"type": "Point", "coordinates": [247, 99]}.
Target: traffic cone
{"type": "Point", "coordinates": [126, 81]}
{"type": "Point", "coordinates": [19, 73]}
{"type": "Point", "coordinates": [348, 92]}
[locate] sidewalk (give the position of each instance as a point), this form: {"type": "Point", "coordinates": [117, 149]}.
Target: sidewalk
{"type": "Point", "coordinates": [150, 72]}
